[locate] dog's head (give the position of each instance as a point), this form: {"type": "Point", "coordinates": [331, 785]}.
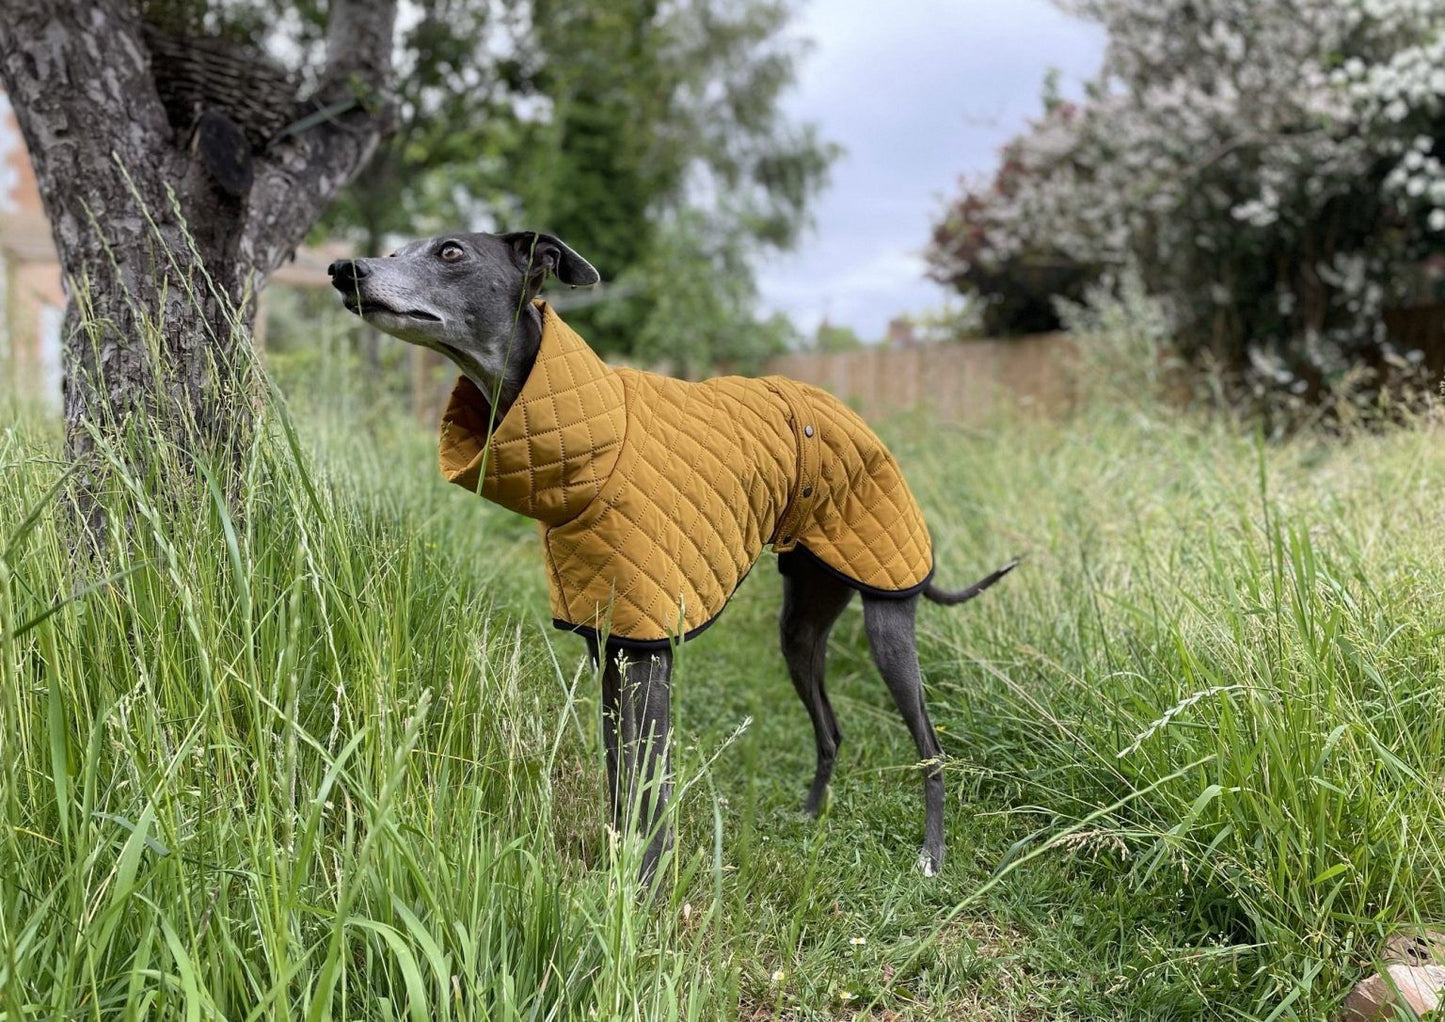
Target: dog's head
{"type": "Point", "coordinates": [460, 294]}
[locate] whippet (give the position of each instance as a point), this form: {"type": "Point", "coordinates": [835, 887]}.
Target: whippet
{"type": "Point", "coordinates": [471, 297]}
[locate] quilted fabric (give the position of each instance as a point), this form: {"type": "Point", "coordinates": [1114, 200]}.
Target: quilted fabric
{"type": "Point", "coordinates": [655, 496]}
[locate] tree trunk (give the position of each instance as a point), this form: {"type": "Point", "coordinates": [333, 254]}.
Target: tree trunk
{"type": "Point", "coordinates": [161, 257]}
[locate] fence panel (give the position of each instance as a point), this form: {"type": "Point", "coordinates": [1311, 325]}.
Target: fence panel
{"type": "Point", "coordinates": [961, 381]}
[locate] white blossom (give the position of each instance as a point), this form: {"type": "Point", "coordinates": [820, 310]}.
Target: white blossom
{"type": "Point", "coordinates": [1217, 125]}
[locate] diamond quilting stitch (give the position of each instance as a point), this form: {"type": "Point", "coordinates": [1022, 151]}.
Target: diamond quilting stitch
{"type": "Point", "coordinates": [670, 490]}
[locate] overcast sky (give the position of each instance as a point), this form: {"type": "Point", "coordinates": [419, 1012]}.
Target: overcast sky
{"type": "Point", "coordinates": [918, 92]}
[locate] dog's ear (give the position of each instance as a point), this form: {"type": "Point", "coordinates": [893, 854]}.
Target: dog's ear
{"type": "Point", "coordinates": [537, 254]}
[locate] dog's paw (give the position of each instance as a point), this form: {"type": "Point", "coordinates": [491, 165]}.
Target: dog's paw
{"type": "Point", "coordinates": [928, 863]}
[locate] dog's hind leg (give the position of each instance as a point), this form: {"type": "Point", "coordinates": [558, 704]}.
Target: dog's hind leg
{"type": "Point", "coordinates": [889, 623]}
{"type": "Point", "coordinates": [812, 601]}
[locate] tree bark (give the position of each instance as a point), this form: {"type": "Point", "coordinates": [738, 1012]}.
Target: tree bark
{"type": "Point", "coordinates": [161, 261]}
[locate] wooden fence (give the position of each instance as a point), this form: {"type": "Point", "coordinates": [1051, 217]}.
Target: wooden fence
{"type": "Point", "coordinates": [958, 381]}
{"type": "Point", "coordinates": [1421, 328]}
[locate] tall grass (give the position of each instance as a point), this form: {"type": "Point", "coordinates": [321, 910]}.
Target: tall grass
{"type": "Point", "coordinates": [285, 760]}
{"type": "Point", "coordinates": [1218, 685]}
{"type": "Point", "coordinates": [313, 753]}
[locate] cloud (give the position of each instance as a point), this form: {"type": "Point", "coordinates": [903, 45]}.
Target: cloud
{"type": "Point", "coordinates": [860, 291]}
{"type": "Point", "coordinates": [918, 93]}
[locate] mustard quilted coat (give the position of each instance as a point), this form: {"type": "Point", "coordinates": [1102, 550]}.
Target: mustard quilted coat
{"type": "Point", "coordinates": [655, 496]}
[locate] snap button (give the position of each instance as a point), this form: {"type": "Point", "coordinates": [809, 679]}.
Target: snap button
{"type": "Point", "coordinates": [807, 491]}
{"type": "Point", "coordinates": [807, 430]}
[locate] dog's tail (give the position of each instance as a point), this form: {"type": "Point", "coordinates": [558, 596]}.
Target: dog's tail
{"type": "Point", "coordinates": [949, 599]}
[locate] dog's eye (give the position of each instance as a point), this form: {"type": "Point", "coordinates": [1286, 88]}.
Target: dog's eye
{"type": "Point", "coordinates": [450, 253]}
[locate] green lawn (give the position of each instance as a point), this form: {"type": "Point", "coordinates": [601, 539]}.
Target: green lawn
{"type": "Point", "coordinates": [325, 758]}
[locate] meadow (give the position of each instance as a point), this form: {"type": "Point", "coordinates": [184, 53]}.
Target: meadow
{"type": "Point", "coordinates": [321, 755]}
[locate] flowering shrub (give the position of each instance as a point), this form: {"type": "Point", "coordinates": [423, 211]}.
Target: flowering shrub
{"type": "Point", "coordinates": [1274, 169]}
{"type": "Point", "coordinates": [1015, 278]}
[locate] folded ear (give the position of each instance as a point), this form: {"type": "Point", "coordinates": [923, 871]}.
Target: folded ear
{"type": "Point", "coordinates": [537, 254]}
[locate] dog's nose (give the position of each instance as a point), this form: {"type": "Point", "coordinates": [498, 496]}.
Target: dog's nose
{"type": "Point", "coordinates": [347, 270]}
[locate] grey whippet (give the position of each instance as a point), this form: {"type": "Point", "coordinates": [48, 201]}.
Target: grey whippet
{"type": "Point", "coordinates": [468, 296]}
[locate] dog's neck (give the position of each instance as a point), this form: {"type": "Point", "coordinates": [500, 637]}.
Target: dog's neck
{"type": "Point", "coordinates": [512, 351]}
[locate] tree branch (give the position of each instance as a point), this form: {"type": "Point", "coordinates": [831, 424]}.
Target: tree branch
{"type": "Point", "coordinates": [301, 174]}
{"type": "Point", "coordinates": [359, 41]}
{"type": "Point", "coordinates": [78, 76]}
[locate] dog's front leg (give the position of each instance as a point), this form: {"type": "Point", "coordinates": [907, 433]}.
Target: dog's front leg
{"type": "Point", "coordinates": [611, 727]}
{"type": "Point", "coordinates": [639, 685]}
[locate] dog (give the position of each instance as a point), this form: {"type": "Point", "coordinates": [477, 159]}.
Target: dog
{"type": "Point", "coordinates": [655, 496]}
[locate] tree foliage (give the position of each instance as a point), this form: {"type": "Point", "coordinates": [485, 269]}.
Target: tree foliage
{"type": "Point", "coordinates": [690, 302]}
{"type": "Point", "coordinates": [1271, 167]}
{"type": "Point", "coordinates": [457, 81]}
{"type": "Point", "coordinates": [833, 339]}
{"type": "Point", "coordinates": [649, 135]}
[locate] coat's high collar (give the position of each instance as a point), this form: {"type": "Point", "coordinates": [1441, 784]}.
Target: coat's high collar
{"type": "Point", "coordinates": [556, 445]}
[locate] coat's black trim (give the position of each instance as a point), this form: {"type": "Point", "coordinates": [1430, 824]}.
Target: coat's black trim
{"type": "Point", "coordinates": [613, 639]}
{"type": "Point", "coordinates": [866, 590]}
{"type": "Point", "coordinates": [587, 632]}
